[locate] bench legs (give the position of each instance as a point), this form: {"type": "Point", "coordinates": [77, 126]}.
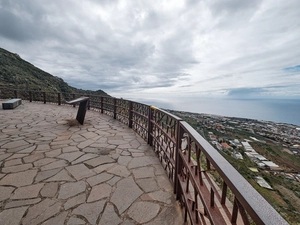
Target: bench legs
{"type": "Point", "coordinates": [81, 111]}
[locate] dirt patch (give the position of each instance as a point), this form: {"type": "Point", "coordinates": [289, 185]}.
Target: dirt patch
{"type": "Point", "coordinates": [73, 122]}
{"type": "Point", "coordinates": [288, 151]}
{"type": "Point", "coordinates": [294, 200]}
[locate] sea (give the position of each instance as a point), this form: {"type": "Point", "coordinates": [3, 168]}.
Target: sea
{"type": "Point", "coordinates": [275, 110]}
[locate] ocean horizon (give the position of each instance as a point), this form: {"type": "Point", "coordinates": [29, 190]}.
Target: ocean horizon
{"type": "Point", "coordinates": [275, 110]}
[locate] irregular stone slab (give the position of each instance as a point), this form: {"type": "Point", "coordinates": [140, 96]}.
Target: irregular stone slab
{"type": "Point", "coordinates": [12, 216]}
{"type": "Point", "coordinates": [137, 154]}
{"type": "Point", "coordinates": [116, 142]}
{"type": "Point", "coordinates": [143, 172]}
{"type": "Point", "coordinates": [77, 200]}
{"type": "Point", "coordinates": [159, 170]}
{"type": "Point", "coordinates": [121, 171]}
{"type": "Point", "coordinates": [125, 146]}
{"type": "Point", "coordinates": [54, 165]}
{"type": "Point", "coordinates": [125, 153]}
{"type": "Point", "coordinates": [5, 192]}
{"type": "Point", "coordinates": [41, 212]}
{"type": "Point", "coordinates": [84, 144]}
{"type": "Point", "coordinates": [18, 203]}
{"type": "Point", "coordinates": [91, 150]}
{"type": "Point", "coordinates": [46, 174]}
{"type": "Point", "coordinates": [113, 181]}
{"type": "Point", "coordinates": [31, 191]}
{"type": "Point", "coordinates": [76, 221]}
{"type": "Point", "coordinates": [84, 158]}
{"type": "Point", "coordinates": [15, 144]}
{"type": "Point", "coordinates": [99, 161]}
{"type": "Point", "coordinates": [80, 171]}
{"type": "Point", "coordinates": [98, 192]}
{"type": "Point", "coordinates": [143, 212]}
{"type": "Point", "coordinates": [19, 179]}
{"type": "Point", "coordinates": [70, 149]}
{"type": "Point", "coordinates": [135, 143]}
{"type": "Point", "coordinates": [15, 156]}
{"type": "Point", "coordinates": [13, 162]}
{"type": "Point", "coordinates": [110, 216]}
{"type": "Point", "coordinates": [49, 190]}
{"type": "Point", "coordinates": [127, 222]}
{"type": "Point", "coordinates": [101, 168]}
{"type": "Point", "coordinates": [28, 150]}
{"type": "Point", "coordinates": [161, 196]}
{"type": "Point", "coordinates": [148, 184]}
{"type": "Point", "coordinates": [61, 176]}
{"type": "Point", "coordinates": [78, 139]}
{"type": "Point", "coordinates": [70, 156]}
{"type": "Point", "coordinates": [63, 142]}
{"type": "Point", "coordinates": [126, 193]}
{"type": "Point", "coordinates": [90, 211]}
{"type": "Point", "coordinates": [4, 156]}
{"type": "Point", "coordinates": [124, 160]}
{"type": "Point", "coordinates": [65, 135]}
{"type": "Point", "coordinates": [164, 183]}
{"type": "Point", "coordinates": [34, 157]}
{"type": "Point", "coordinates": [53, 153]}
{"type": "Point", "coordinates": [18, 168]}
{"type": "Point", "coordinates": [71, 189]}
{"type": "Point", "coordinates": [145, 197]}
{"type": "Point", "coordinates": [100, 178]}
{"type": "Point", "coordinates": [115, 156]}
{"type": "Point", "coordinates": [89, 135]}
{"type": "Point", "coordinates": [45, 139]}
{"type": "Point", "coordinates": [43, 162]}
{"type": "Point", "coordinates": [144, 147]}
{"type": "Point", "coordinates": [169, 215]}
{"type": "Point", "coordinates": [57, 220]}
{"type": "Point", "coordinates": [143, 161]}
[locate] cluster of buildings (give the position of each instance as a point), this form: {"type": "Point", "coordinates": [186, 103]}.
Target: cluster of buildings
{"type": "Point", "coordinates": [285, 135]}
{"type": "Point", "coordinates": [260, 160]}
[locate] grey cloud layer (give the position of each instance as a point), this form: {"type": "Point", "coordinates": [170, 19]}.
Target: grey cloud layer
{"type": "Point", "coordinates": [157, 46]}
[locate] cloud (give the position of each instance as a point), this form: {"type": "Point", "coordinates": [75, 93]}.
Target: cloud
{"type": "Point", "coordinates": [157, 48]}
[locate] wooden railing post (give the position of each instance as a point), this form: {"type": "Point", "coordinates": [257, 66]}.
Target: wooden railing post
{"type": "Point", "coordinates": [130, 114]}
{"type": "Point", "coordinates": [89, 103]}
{"type": "Point", "coordinates": [30, 96]}
{"type": "Point", "coordinates": [150, 126]}
{"type": "Point", "coordinates": [115, 108]}
{"type": "Point", "coordinates": [101, 104]}
{"type": "Point", "coordinates": [44, 97]}
{"type": "Point", "coordinates": [178, 161]}
{"type": "Point", "coordinates": [73, 96]}
{"type": "Point", "coordinates": [15, 93]}
{"type": "Point", "coordinates": [59, 98]}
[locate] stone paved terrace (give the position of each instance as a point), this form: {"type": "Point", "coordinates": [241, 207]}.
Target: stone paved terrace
{"type": "Point", "coordinates": [53, 171]}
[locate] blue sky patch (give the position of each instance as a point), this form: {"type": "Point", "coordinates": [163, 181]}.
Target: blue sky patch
{"type": "Point", "coordinates": [293, 69]}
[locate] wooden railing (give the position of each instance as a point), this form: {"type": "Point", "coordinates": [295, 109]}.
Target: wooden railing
{"type": "Point", "coordinates": [208, 188]}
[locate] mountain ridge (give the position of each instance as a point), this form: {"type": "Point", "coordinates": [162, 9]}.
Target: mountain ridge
{"type": "Point", "coordinates": [20, 74]}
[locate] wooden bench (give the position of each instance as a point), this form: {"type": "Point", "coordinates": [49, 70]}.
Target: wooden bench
{"type": "Point", "coordinates": [12, 103]}
{"type": "Point", "coordinates": [83, 103]}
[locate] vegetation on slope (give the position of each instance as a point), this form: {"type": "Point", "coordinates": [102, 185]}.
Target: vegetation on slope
{"type": "Point", "coordinates": [20, 74]}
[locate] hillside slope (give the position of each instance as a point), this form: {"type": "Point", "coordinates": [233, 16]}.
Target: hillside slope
{"type": "Point", "coordinates": [20, 74]}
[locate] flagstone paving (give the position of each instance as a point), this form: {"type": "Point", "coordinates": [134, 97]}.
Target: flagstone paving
{"type": "Point", "coordinates": [55, 172]}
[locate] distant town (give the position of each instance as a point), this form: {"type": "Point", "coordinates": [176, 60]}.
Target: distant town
{"type": "Point", "coordinates": [266, 154]}
{"type": "Point", "coordinates": [239, 137]}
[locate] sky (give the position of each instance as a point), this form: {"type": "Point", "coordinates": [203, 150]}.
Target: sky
{"type": "Point", "coordinates": [238, 49]}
